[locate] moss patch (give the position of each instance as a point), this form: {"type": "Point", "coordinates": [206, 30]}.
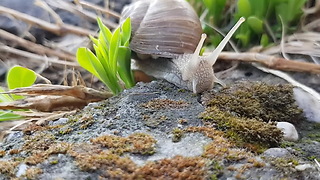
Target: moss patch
{"type": "Point", "coordinates": [8, 167]}
{"type": "Point", "coordinates": [33, 173]}
{"type": "Point", "coordinates": [246, 112]}
{"type": "Point", "coordinates": [258, 101]}
{"type": "Point", "coordinates": [243, 130]}
{"type": "Point", "coordinates": [177, 167]}
{"type": "Point", "coordinates": [153, 120]}
{"type": "Point", "coordinates": [135, 143]}
{"type": "Point", "coordinates": [106, 163]}
{"type": "Point", "coordinates": [220, 148]}
{"type": "Point", "coordinates": [177, 134]}
{"type": "Point", "coordinates": [164, 104]}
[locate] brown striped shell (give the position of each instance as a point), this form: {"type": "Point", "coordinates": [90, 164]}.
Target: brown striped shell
{"type": "Point", "coordinates": [163, 28]}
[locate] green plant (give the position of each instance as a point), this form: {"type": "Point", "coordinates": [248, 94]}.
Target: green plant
{"type": "Point", "coordinates": [17, 77]}
{"type": "Point", "coordinates": [264, 14]}
{"type": "Point", "coordinates": [111, 62]}
{"type": "Point", "coordinates": [264, 18]}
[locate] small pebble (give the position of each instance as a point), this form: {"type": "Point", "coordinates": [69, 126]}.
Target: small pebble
{"type": "Point", "coordinates": [289, 131]}
{"type": "Point", "coordinates": [276, 152]}
{"type": "Point", "coordinates": [303, 167]}
{"type": "Point", "coordinates": [60, 121]}
{"type": "Point", "coordinates": [21, 169]}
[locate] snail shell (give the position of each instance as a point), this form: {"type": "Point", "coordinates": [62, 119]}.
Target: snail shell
{"type": "Point", "coordinates": [170, 32]}
{"type": "Point", "coordinates": [163, 28]}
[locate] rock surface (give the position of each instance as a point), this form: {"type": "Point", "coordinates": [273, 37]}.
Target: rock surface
{"type": "Point", "coordinates": [148, 131]}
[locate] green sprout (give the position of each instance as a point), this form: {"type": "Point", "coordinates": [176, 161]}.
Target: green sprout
{"type": "Point", "coordinates": [111, 62]}
{"type": "Point", "coordinates": [17, 77]}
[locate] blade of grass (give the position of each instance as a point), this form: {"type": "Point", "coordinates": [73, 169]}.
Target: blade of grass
{"type": "Point", "coordinates": [4, 97]}
{"type": "Point", "coordinates": [6, 116]}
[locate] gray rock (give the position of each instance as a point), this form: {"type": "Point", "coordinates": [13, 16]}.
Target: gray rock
{"type": "Point", "coordinates": [276, 152]}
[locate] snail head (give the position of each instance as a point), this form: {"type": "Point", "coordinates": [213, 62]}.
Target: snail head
{"type": "Point", "coordinates": [198, 69]}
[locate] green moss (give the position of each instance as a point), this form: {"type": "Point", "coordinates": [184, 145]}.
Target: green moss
{"type": "Point", "coordinates": [154, 120]}
{"type": "Point", "coordinates": [53, 162]}
{"type": "Point", "coordinates": [216, 169]}
{"type": "Point", "coordinates": [38, 142]}
{"type": "Point", "coordinates": [220, 148]}
{"type": "Point", "coordinates": [246, 113]}
{"type": "Point", "coordinates": [243, 130]}
{"type": "Point", "coordinates": [65, 131]}
{"type": "Point", "coordinates": [177, 134]}
{"type": "Point", "coordinates": [285, 144]}
{"type": "Point", "coordinates": [259, 101]}
{"type": "Point", "coordinates": [312, 158]}
{"type": "Point", "coordinates": [285, 164]}
{"type": "Point", "coordinates": [314, 136]}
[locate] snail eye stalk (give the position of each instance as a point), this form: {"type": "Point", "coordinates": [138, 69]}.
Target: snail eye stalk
{"type": "Point", "coordinates": [194, 61]}
{"type": "Point", "coordinates": [212, 58]}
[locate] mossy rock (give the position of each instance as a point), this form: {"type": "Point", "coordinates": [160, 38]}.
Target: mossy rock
{"type": "Point", "coordinates": [258, 100]}
{"type": "Point", "coordinates": [247, 113]}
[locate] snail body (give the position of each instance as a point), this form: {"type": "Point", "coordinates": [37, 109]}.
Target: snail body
{"type": "Point", "coordinates": [167, 37]}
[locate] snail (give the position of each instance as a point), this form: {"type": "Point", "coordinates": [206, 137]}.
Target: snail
{"type": "Point", "coordinates": [167, 38]}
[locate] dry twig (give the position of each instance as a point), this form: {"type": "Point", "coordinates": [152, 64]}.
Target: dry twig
{"type": "Point", "coordinates": [55, 61]}
{"type": "Point", "coordinates": [98, 8]}
{"type": "Point", "coordinates": [37, 48]}
{"type": "Point", "coordinates": [45, 97]}
{"type": "Point", "coordinates": [271, 62]}
{"type": "Point", "coordinates": [54, 28]}
{"type": "Point", "coordinates": [82, 12]}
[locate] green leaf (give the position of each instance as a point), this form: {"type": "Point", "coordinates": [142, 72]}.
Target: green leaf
{"type": "Point", "coordinates": [105, 31]}
{"type": "Point", "coordinates": [244, 8]}
{"type": "Point", "coordinates": [91, 63]}
{"type": "Point", "coordinates": [264, 40]}
{"type": "Point", "coordinates": [216, 8]}
{"type": "Point", "coordinates": [126, 32]}
{"type": "Point", "coordinates": [259, 8]}
{"type": "Point", "coordinates": [255, 24]}
{"type": "Point", "coordinates": [20, 77]}
{"type": "Point", "coordinates": [6, 116]}
{"type": "Point", "coordinates": [124, 66]}
{"type": "Point", "coordinates": [84, 61]}
{"type": "Point", "coordinates": [94, 40]}
{"type": "Point", "coordinates": [113, 50]}
{"type": "Point", "coordinates": [111, 62]}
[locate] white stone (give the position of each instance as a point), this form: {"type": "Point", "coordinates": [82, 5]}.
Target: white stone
{"type": "Point", "coordinates": [303, 167]}
{"type": "Point", "coordinates": [22, 168]}
{"type": "Point", "coordinates": [289, 131]}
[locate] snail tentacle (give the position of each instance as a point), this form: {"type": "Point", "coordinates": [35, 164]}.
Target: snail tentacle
{"type": "Point", "coordinates": [212, 58]}
{"type": "Point", "coordinates": [193, 63]}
